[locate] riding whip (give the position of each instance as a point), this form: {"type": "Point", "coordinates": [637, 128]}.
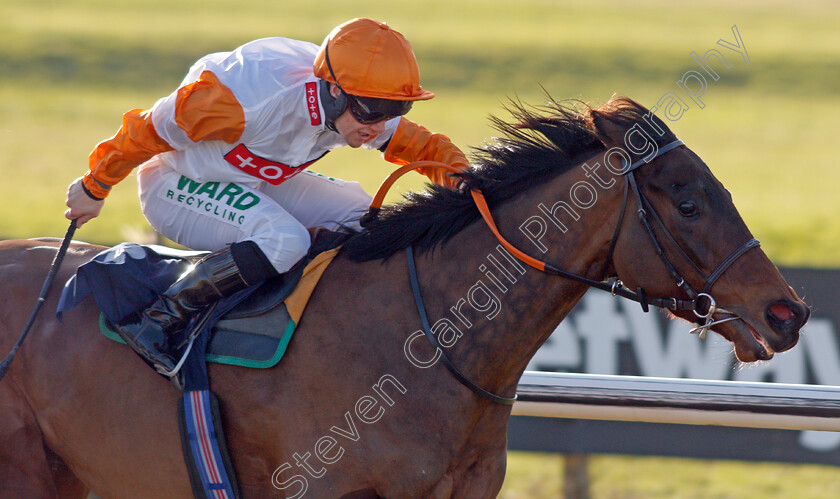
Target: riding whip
{"type": "Point", "coordinates": [56, 263]}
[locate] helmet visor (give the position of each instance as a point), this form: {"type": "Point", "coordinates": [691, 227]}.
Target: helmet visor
{"type": "Point", "coordinates": [369, 110]}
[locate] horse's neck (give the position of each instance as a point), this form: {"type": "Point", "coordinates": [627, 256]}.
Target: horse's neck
{"type": "Point", "coordinates": [504, 309]}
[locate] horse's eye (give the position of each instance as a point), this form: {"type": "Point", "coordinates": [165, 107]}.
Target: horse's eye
{"type": "Point", "coordinates": [687, 208]}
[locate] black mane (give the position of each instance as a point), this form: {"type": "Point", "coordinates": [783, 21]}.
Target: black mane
{"type": "Point", "coordinates": [540, 143]}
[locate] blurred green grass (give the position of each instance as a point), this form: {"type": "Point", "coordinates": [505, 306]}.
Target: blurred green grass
{"type": "Point", "coordinates": [70, 68]}
{"type": "Point", "coordinates": [539, 476]}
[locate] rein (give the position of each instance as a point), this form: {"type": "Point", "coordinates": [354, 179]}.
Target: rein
{"type": "Point", "coordinates": [424, 318]}
{"type": "Point", "coordinates": [614, 286]}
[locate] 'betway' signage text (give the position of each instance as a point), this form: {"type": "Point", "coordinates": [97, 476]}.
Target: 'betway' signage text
{"type": "Point", "coordinates": [605, 335]}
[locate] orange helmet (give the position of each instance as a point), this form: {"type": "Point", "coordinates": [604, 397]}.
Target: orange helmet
{"type": "Point", "coordinates": [367, 58]}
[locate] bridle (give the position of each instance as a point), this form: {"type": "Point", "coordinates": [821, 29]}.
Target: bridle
{"type": "Point", "coordinates": [645, 212]}
{"type": "Point", "coordinates": [702, 303]}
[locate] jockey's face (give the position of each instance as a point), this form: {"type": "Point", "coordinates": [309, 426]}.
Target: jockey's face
{"type": "Point", "coordinates": [353, 132]}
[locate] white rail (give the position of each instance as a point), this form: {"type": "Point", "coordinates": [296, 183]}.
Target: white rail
{"type": "Point", "coordinates": [679, 401]}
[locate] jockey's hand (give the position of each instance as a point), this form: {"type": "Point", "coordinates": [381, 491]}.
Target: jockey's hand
{"type": "Point", "coordinates": [82, 207]}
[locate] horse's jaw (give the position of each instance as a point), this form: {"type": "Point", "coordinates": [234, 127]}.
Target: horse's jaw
{"type": "Point", "coordinates": [750, 345]}
{"type": "Point", "coordinates": [755, 340]}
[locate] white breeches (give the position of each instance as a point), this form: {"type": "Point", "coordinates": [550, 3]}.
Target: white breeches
{"type": "Point", "coordinates": [211, 215]}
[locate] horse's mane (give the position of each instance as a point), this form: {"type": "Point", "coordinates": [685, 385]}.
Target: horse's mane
{"type": "Point", "coordinates": [540, 143]}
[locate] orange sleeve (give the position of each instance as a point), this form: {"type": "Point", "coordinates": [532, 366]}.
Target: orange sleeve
{"type": "Point", "coordinates": [113, 159]}
{"type": "Point", "coordinates": [412, 142]}
{"type": "Point", "coordinates": [205, 110]}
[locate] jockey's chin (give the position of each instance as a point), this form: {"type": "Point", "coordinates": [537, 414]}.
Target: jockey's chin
{"type": "Point", "coordinates": [355, 133]}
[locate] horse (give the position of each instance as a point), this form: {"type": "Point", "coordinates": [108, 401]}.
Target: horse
{"type": "Point", "coordinates": [362, 405]}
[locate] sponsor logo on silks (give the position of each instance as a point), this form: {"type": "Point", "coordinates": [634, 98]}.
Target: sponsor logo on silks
{"type": "Point", "coordinates": [271, 171]}
{"type": "Point", "coordinates": [227, 201]}
{"type": "Point", "coordinates": [312, 103]}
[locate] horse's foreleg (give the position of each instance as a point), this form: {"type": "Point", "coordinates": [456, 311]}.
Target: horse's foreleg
{"type": "Point", "coordinates": [27, 468]}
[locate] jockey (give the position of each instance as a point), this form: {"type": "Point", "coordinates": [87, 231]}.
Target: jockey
{"type": "Point", "coordinates": [222, 160]}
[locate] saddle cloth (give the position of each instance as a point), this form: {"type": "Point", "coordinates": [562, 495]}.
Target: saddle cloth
{"type": "Point", "coordinates": [255, 328]}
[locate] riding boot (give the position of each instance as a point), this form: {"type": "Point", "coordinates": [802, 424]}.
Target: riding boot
{"type": "Point", "coordinates": [151, 334]}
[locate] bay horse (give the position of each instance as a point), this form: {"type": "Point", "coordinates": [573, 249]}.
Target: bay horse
{"type": "Point", "coordinates": [361, 406]}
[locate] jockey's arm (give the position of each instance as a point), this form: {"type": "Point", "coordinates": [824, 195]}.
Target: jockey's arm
{"type": "Point", "coordinates": [202, 110]}
{"type": "Point", "coordinates": [412, 142]}
{"type": "Point", "coordinates": [111, 161]}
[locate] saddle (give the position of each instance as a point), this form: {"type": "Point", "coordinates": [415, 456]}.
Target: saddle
{"type": "Point", "coordinates": [254, 327]}
{"type": "Point", "coordinates": [256, 331]}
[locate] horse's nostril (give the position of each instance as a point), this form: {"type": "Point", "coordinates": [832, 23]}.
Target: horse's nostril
{"type": "Point", "coordinates": [782, 312]}
{"type": "Point", "coordinates": [785, 318]}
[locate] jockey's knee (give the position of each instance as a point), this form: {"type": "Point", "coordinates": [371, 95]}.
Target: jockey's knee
{"type": "Point", "coordinates": [358, 202]}
{"type": "Point", "coordinates": [253, 264]}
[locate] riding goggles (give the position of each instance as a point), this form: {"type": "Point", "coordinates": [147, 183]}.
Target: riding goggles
{"type": "Point", "coordinates": [369, 110]}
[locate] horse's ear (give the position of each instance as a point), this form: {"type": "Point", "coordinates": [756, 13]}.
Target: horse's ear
{"type": "Point", "coordinates": [612, 120]}
{"type": "Point", "coordinates": [609, 132]}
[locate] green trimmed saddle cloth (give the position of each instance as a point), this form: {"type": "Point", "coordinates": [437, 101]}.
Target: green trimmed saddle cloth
{"type": "Point", "coordinates": [257, 332]}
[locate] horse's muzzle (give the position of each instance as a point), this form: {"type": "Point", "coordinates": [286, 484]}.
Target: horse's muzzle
{"type": "Point", "coordinates": [786, 318]}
